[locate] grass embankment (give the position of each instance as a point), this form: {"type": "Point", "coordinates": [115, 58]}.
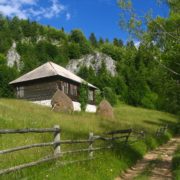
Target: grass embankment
{"type": "Point", "coordinates": [176, 164]}
{"type": "Point", "coordinates": [109, 163]}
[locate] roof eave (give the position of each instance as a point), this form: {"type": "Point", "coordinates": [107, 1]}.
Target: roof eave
{"type": "Point", "coordinates": [18, 82]}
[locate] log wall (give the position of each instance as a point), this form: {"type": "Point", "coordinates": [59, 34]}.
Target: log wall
{"type": "Point", "coordinates": [43, 89]}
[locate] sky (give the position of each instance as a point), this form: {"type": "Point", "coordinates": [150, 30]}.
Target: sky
{"type": "Point", "coordinates": [98, 16]}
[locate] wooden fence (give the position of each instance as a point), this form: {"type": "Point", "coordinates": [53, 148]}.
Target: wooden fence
{"type": "Point", "coordinates": [162, 130]}
{"type": "Point", "coordinates": [58, 142]}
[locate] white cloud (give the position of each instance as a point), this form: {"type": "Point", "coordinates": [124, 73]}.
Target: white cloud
{"type": "Point", "coordinates": [68, 16]}
{"type": "Point", "coordinates": [8, 10]}
{"type": "Point", "coordinates": [32, 9]}
{"type": "Point", "coordinates": [53, 10]}
{"type": "Point", "coordinates": [137, 44]}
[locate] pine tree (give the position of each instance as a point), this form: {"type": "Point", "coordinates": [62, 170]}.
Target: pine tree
{"type": "Point", "coordinates": [93, 40]}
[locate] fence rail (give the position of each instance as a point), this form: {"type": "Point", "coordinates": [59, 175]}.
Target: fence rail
{"type": "Point", "coordinates": [28, 130]}
{"type": "Point", "coordinates": [57, 143]}
{"type": "Point", "coordinates": [161, 131]}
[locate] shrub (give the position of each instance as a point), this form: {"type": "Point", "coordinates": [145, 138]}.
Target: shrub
{"type": "Point", "coordinates": [149, 100]}
{"type": "Point", "coordinates": [110, 95]}
{"type": "Point", "coordinates": [99, 97]}
{"type": "Point", "coordinates": [176, 164]}
{"type": "Point", "coordinates": [83, 96]}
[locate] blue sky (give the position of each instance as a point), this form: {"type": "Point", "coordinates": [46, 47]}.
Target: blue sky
{"type": "Point", "coordinates": [98, 16]}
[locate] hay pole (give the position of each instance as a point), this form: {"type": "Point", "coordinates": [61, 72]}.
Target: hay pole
{"type": "Point", "coordinates": [27, 147]}
{"type": "Point", "coordinates": [119, 132]}
{"type": "Point", "coordinates": [57, 143]}
{"type": "Point", "coordinates": [85, 150]}
{"type": "Point", "coordinates": [19, 167]}
{"type": "Point", "coordinates": [28, 130]}
{"type": "Point", "coordinates": [127, 137]}
{"type": "Point", "coordinates": [75, 141]}
{"type": "Point", "coordinates": [91, 144]}
{"type": "Point", "coordinates": [108, 139]}
{"type": "Point", "coordinates": [22, 166]}
{"type": "Point", "coordinates": [162, 130]}
{"type": "Point", "coordinates": [43, 145]}
{"type": "Point", "coordinates": [57, 137]}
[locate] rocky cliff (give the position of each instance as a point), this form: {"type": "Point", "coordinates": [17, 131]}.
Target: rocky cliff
{"type": "Point", "coordinates": [13, 58]}
{"type": "Point", "coordinates": [95, 61]}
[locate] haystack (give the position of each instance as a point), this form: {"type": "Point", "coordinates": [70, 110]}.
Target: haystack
{"type": "Point", "coordinates": [61, 102]}
{"type": "Point", "coordinates": [105, 110]}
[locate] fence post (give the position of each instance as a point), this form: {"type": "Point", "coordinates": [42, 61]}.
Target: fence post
{"type": "Point", "coordinates": [165, 129]}
{"type": "Point", "coordinates": [57, 136]}
{"type": "Point", "coordinates": [91, 144]}
{"type": "Point", "coordinates": [127, 137]}
{"type": "Point", "coordinates": [157, 132]}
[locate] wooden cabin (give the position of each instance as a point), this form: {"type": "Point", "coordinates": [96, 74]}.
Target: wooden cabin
{"type": "Point", "coordinates": [40, 84]}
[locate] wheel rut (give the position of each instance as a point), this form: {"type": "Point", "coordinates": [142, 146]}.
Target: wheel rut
{"type": "Point", "coordinates": [156, 164]}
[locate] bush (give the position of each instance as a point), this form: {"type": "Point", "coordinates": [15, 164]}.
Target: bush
{"type": "Point", "coordinates": [176, 164]}
{"type": "Point", "coordinates": [7, 74]}
{"type": "Point", "coordinates": [83, 96]}
{"type": "Point", "coordinates": [74, 51]}
{"type": "Point", "coordinates": [110, 95]}
{"type": "Point", "coordinates": [99, 97]}
{"type": "Point", "coordinates": [149, 100]}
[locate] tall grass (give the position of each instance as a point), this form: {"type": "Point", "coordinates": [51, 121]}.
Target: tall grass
{"type": "Point", "coordinates": [176, 164]}
{"type": "Point", "coordinates": [107, 165]}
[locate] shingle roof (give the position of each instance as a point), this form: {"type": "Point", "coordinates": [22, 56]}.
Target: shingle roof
{"type": "Point", "coordinates": [47, 70]}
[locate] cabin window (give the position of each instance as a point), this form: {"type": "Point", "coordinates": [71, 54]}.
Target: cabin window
{"type": "Point", "coordinates": [65, 88]}
{"type": "Point", "coordinates": [90, 95]}
{"type": "Point", "coordinates": [73, 90]}
{"type": "Point", "coordinates": [20, 92]}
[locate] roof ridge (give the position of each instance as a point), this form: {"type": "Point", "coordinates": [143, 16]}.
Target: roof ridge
{"type": "Point", "coordinates": [50, 62]}
{"type": "Point", "coordinates": [49, 69]}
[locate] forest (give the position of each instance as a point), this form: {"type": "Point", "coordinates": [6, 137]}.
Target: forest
{"type": "Point", "coordinates": [147, 76]}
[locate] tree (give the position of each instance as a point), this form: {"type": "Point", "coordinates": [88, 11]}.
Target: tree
{"type": "Point", "coordinates": [110, 95]}
{"type": "Point", "coordinates": [120, 43]}
{"type": "Point", "coordinates": [6, 75]}
{"type": "Point", "coordinates": [101, 41]}
{"type": "Point", "coordinates": [74, 51]}
{"type": "Point", "coordinates": [114, 52]}
{"type": "Point", "coordinates": [130, 44]}
{"type": "Point", "coordinates": [76, 36]}
{"type": "Point", "coordinates": [162, 75]}
{"type": "Point", "coordinates": [83, 96]}
{"type": "Point", "coordinates": [16, 29]}
{"type": "Point", "coordinates": [93, 40]}
{"type": "Point", "coordinates": [88, 74]}
{"type": "Point", "coordinates": [115, 42]}
{"type": "Point", "coordinates": [2, 59]}
{"type": "Point", "coordinates": [104, 77]}
{"type": "Point", "coordinates": [62, 29]}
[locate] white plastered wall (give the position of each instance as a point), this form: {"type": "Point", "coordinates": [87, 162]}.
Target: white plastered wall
{"type": "Point", "coordinates": [77, 106]}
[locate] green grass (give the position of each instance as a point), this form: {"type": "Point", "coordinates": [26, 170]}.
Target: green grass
{"type": "Point", "coordinates": [109, 163]}
{"type": "Point", "coordinates": [176, 164]}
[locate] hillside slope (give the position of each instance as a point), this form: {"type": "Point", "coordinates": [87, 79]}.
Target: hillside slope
{"type": "Point", "coordinates": [22, 114]}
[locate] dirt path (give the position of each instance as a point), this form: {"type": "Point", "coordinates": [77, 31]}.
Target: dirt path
{"type": "Point", "coordinates": [156, 164]}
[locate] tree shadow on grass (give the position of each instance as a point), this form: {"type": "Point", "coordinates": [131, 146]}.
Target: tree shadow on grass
{"type": "Point", "coordinates": [126, 153]}
{"type": "Point", "coordinates": [154, 123]}
{"type": "Point", "coordinates": [173, 127]}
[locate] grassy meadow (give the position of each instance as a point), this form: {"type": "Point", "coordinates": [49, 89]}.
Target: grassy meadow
{"type": "Point", "coordinates": [108, 163]}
